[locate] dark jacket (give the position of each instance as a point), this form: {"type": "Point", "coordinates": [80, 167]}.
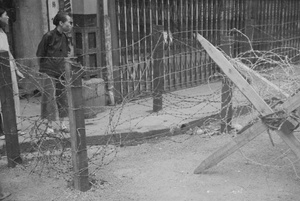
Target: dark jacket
{"type": "Point", "coordinates": [51, 52]}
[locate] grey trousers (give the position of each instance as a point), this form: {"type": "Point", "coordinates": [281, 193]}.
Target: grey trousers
{"type": "Point", "coordinates": [54, 98]}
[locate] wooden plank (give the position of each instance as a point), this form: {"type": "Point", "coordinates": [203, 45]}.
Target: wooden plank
{"type": "Point", "coordinates": [8, 112]}
{"type": "Point", "coordinates": [245, 70]}
{"type": "Point", "coordinates": [231, 147]}
{"type": "Point", "coordinates": [77, 127]}
{"type": "Point", "coordinates": [235, 77]}
{"type": "Point", "coordinates": [249, 133]}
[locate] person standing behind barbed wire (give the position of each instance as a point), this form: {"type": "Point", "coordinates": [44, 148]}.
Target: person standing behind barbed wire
{"type": "Point", "coordinates": [52, 50]}
{"type": "Point", "coordinates": [14, 69]}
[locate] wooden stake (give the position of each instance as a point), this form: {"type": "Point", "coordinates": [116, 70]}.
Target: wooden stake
{"type": "Point", "coordinates": [226, 97]}
{"type": "Point", "coordinates": [77, 127]}
{"type": "Point", "coordinates": [8, 111]}
{"type": "Point", "coordinates": [262, 107]}
{"type": "Point", "coordinates": [235, 77]}
{"type": "Point", "coordinates": [231, 147]}
{"type": "Point", "coordinates": [158, 69]}
{"type": "Point", "coordinates": [245, 70]}
{"type": "Point", "coordinates": [249, 133]}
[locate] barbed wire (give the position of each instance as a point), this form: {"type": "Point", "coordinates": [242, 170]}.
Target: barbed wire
{"type": "Point", "coordinates": [194, 111]}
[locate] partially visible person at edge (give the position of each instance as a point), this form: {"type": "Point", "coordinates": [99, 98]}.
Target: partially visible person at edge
{"type": "Point", "coordinates": [52, 50]}
{"type": "Point", "coordinates": [14, 72]}
{"type": "Point", "coordinates": [14, 69]}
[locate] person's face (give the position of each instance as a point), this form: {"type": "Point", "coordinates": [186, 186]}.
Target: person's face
{"type": "Point", "coordinates": [67, 25]}
{"type": "Point", "coordinates": [4, 18]}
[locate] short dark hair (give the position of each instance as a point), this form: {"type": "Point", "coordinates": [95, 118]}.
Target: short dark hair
{"type": "Point", "coordinates": [2, 10]}
{"type": "Point", "coordinates": [60, 16]}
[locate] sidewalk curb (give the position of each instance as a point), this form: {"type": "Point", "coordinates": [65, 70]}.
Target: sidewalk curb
{"type": "Point", "coordinates": [133, 138]}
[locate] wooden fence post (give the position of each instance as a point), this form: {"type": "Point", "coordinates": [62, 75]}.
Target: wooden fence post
{"type": "Point", "coordinates": [77, 127]}
{"type": "Point", "coordinates": [158, 68]}
{"type": "Point", "coordinates": [8, 111]}
{"type": "Point", "coordinates": [226, 97]}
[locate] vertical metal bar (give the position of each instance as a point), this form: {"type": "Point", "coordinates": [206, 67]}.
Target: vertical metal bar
{"type": "Point", "coordinates": [297, 25]}
{"type": "Point", "coordinates": [269, 25]}
{"type": "Point", "coordinates": [287, 38]}
{"type": "Point", "coordinates": [197, 55]}
{"type": "Point", "coordinates": [296, 20]}
{"type": "Point", "coordinates": [133, 68]}
{"type": "Point", "coordinates": [209, 32]}
{"type": "Point", "coordinates": [202, 52]}
{"type": "Point", "coordinates": [139, 87]}
{"type": "Point", "coordinates": [130, 67]}
{"type": "Point", "coordinates": [121, 47]}
{"type": "Point", "coordinates": [192, 49]}
{"type": "Point", "coordinates": [282, 19]}
{"type": "Point", "coordinates": [290, 23]}
{"type": "Point", "coordinates": [274, 22]}
{"type": "Point", "coordinates": [241, 24]}
{"type": "Point", "coordinates": [150, 41]}
{"type": "Point", "coordinates": [166, 72]}
{"type": "Point", "coordinates": [258, 23]}
{"type": "Point", "coordinates": [257, 36]}
{"type": "Point", "coordinates": [286, 35]}
{"type": "Point", "coordinates": [293, 20]}
{"type": "Point", "coordinates": [207, 29]}
{"type": "Point", "coordinates": [182, 80]}
{"type": "Point", "coordinates": [214, 18]}
{"type": "Point", "coordinates": [278, 23]}
{"type": "Point", "coordinates": [174, 45]}
{"type": "Point", "coordinates": [144, 47]}
{"type": "Point", "coordinates": [186, 49]}
{"type": "Point", "coordinates": [265, 27]}
{"type": "Point", "coordinates": [125, 63]}
{"type": "Point", "coordinates": [238, 26]}
{"type": "Point", "coordinates": [169, 53]}
{"type": "Point", "coordinates": [219, 19]}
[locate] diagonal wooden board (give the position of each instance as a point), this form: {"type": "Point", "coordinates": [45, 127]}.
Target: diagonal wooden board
{"type": "Point", "coordinates": [262, 107]}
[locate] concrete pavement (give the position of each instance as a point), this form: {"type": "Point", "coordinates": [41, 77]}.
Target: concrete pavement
{"type": "Point", "coordinates": [134, 121]}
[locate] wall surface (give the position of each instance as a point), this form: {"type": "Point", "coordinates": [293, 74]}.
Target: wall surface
{"type": "Point", "coordinates": [84, 6]}
{"type": "Point", "coordinates": [31, 23]}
